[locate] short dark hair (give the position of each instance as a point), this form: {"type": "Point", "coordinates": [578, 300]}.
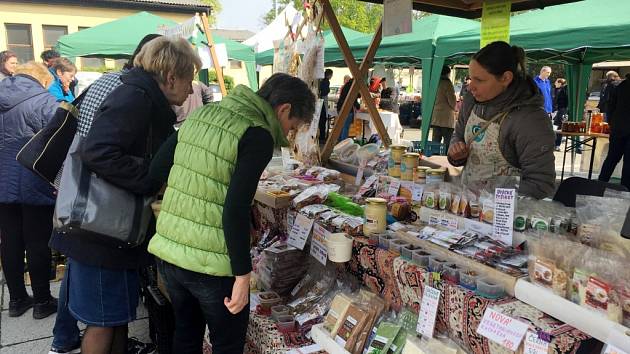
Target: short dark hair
{"type": "Point", "coordinates": [49, 54]}
{"type": "Point", "coordinates": [148, 38]}
{"type": "Point", "coordinates": [282, 88]}
{"type": "Point", "coordinates": [328, 72]}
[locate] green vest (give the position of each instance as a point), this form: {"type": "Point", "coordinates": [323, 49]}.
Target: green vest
{"type": "Point", "coordinates": [189, 232]}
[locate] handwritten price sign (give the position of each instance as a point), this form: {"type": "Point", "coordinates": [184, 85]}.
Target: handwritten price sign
{"type": "Point", "coordinates": [502, 329]}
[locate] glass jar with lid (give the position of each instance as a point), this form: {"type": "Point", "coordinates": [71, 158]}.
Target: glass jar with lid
{"type": "Point", "coordinates": [375, 216]}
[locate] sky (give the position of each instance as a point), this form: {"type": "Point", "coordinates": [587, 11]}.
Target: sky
{"type": "Point", "coordinates": [243, 14]}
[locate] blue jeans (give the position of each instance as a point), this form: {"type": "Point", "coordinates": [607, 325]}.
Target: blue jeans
{"type": "Point", "coordinates": [197, 301]}
{"type": "Point", "coordinates": [346, 126]}
{"type": "Point", "coordinates": [66, 335]}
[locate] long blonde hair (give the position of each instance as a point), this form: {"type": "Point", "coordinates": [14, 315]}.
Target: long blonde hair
{"type": "Point", "coordinates": [38, 71]}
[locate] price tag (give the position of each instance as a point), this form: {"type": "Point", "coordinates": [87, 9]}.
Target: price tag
{"type": "Point", "coordinates": [534, 344]}
{"type": "Point", "coordinates": [503, 226]}
{"type": "Point", "coordinates": [416, 192]}
{"type": "Point", "coordinates": [394, 187]}
{"type": "Point", "coordinates": [318, 244]}
{"type": "Point", "coordinates": [611, 349]}
{"type": "Point", "coordinates": [300, 231]}
{"type": "Point", "coordinates": [428, 311]}
{"type": "Point", "coordinates": [502, 329]}
{"type": "Point", "coordinates": [434, 220]}
{"type": "Point", "coordinates": [450, 223]}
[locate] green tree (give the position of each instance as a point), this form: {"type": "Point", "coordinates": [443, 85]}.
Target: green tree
{"type": "Point", "coordinates": [357, 15]}
{"type": "Point", "coordinates": [216, 9]}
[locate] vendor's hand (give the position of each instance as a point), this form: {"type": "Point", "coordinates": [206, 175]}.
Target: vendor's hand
{"type": "Point", "coordinates": [458, 151]}
{"type": "Point", "coordinates": [240, 294]}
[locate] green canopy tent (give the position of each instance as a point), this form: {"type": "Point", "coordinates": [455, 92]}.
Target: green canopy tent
{"type": "Point", "coordinates": [266, 57]}
{"type": "Point", "coordinates": [118, 39]}
{"type": "Point", "coordinates": [576, 34]}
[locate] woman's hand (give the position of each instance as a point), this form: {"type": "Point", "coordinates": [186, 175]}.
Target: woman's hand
{"type": "Point", "coordinates": [240, 294]}
{"type": "Point", "coordinates": [458, 151]}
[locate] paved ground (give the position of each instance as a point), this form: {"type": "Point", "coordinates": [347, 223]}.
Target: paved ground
{"type": "Point", "coordinates": [25, 335]}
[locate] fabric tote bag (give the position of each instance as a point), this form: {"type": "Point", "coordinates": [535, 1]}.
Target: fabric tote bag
{"type": "Point", "coordinates": [45, 152]}
{"type": "Point", "coordinates": [92, 207]}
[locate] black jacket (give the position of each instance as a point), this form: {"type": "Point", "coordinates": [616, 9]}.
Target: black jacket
{"type": "Point", "coordinates": [619, 109]}
{"type": "Point", "coordinates": [324, 88]}
{"type": "Point", "coordinates": [342, 96]}
{"type": "Point", "coordinates": [560, 98]}
{"type": "Point", "coordinates": [130, 125]}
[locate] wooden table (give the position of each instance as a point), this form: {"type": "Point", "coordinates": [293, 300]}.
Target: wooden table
{"type": "Point", "coordinates": [590, 141]}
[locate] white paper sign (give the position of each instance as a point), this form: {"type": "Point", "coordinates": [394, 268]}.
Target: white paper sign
{"type": "Point", "coordinates": [428, 311]}
{"type": "Point", "coordinates": [611, 349]}
{"type": "Point", "coordinates": [394, 187]}
{"type": "Point", "coordinates": [416, 192]}
{"type": "Point", "coordinates": [444, 220]}
{"type": "Point", "coordinates": [186, 29]}
{"type": "Point", "coordinates": [318, 243]}
{"type": "Point", "coordinates": [502, 329]}
{"type": "Point", "coordinates": [396, 17]}
{"type": "Point", "coordinates": [206, 57]}
{"type": "Point", "coordinates": [503, 225]}
{"type": "Point", "coordinates": [534, 344]}
{"type": "Point", "coordinates": [300, 231]}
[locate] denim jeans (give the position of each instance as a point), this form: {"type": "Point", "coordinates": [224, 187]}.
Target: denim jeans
{"type": "Point", "coordinates": [197, 301]}
{"type": "Point", "coordinates": [346, 126]}
{"type": "Point", "coordinates": [66, 332]}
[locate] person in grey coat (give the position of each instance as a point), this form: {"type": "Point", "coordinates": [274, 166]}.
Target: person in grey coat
{"type": "Point", "coordinates": [503, 129]}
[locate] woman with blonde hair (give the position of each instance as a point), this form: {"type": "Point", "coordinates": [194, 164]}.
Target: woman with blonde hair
{"type": "Point", "coordinates": [131, 124]}
{"type": "Point", "coordinates": [26, 200]}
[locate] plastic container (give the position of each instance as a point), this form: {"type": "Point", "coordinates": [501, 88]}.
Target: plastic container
{"type": "Point", "coordinates": [397, 245]}
{"type": "Point", "coordinates": [451, 273]}
{"type": "Point", "coordinates": [468, 279]}
{"type": "Point", "coordinates": [421, 257]}
{"type": "Point", "coordinates": [279, 310]}
{"type": "Point", "coordinates": [339, 247]}
{"type": "Point", "coordinates": [407, 251]}
{"type": "Point", "coordinates": [268, 299]}
{"type": "Point", "coordinates": [384, 240]}
{"type": "Point", "coordinates": [286, 323]}
{"type": "Point", "coordinates": [488, 288]}
{"type": "Point", "coordinates": [436, 264]}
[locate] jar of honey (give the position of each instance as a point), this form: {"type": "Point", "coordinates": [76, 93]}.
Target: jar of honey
{"type": "Point", "coordinates": [408, 166]}
{"type": "Point", "coordinates": [375, 216]}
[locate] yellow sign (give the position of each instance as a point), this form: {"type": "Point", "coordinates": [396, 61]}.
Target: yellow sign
{"type": "Point", "coordinates": [495, 22]}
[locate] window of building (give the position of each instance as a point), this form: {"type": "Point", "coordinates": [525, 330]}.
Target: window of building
{"type": "Point", "coordinates": [88, 64]}
{"type": "Point", "coordinates": [52, 35]}
{"type": "Point", "coordinates": [236, 64]}
{"type": "Point", "coordinates": [20, 40]}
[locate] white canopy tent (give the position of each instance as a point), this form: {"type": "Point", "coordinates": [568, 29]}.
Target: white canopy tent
{"type": "Point", "coordinates": [276, 30]}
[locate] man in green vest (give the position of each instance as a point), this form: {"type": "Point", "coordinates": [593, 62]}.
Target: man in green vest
{"type": "Point", "coordinates": [202, 238]}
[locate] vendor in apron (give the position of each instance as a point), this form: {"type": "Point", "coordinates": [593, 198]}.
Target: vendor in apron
{"type": "Point", "coordinates": [502, 128]}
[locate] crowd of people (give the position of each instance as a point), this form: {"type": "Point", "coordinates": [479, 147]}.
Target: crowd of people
{"type": "Point", "coordinates": [127, 120]}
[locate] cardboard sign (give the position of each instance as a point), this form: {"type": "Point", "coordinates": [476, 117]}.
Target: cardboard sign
{"type": "Point", "coordinates": [428, 311]}
{"type": "Point", "coordinates": [503, 225]}
{"type": "Point", "coordinates": [502, 329]}
{"type": "Point", "coordinates": [318, 243]}
{"type": "Point", "coordinates": [396, 17]}
{"type": "Point", "coordinates": [495, 22]}
{"type": "Point", "coordinates": [394, 187]}
{"type": "Point", "coordinates": [300, 231]}
{"type": "Point", "coordinates": [534, 344]}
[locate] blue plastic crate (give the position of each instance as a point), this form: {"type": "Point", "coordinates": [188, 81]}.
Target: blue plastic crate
{"type": "Point", "coordinates": [431, 149]}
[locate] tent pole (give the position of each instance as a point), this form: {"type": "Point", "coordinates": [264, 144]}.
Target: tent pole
{"type": "Point", "coordinates": [358, 84]}
{"type": "Point", "coordinates": [213, 53]}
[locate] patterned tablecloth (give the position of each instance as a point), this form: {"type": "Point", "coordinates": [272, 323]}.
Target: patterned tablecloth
{"type": "Point", "coordinates": [401, 283]}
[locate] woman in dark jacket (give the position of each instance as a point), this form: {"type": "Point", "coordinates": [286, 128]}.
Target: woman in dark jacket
{"type": "Point", "coordinates": [560, 106]}
{"type": "Point", "coordinates": [26, 201]}
{"type": "Point", "coordinates": [130, 125]}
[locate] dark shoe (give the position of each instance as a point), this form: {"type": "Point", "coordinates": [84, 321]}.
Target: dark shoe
{"type": "Point", "coordinates": [134, 346]}
{"type": "Point", "coordinates": [18, 307]}
{"type": "Point", "coordinates": [45, 309]}
{"type": "Point", "coordinates": [76, 350]}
